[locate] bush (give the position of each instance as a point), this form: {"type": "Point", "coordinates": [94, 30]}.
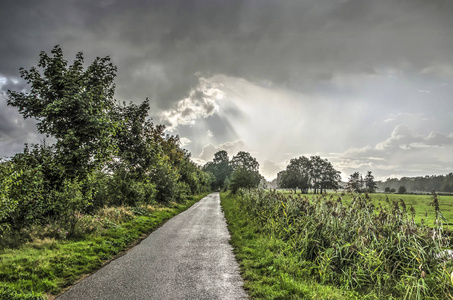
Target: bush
{"type": "Point", "coordinates": [124, 190]}
{"type": "Point", "coordinates": [166, 181]}
{"type": "Point", "coordinates": [23, 198]}
{"type": "Point", "coordinates": [70, 203]}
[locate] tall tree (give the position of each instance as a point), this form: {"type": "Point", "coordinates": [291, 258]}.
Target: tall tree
{"type": "Point", "coordinates": [330, 177]}
{"type": "Point", "coordinates": [220, 168]}
{"type": "Point", "coordinates": [73, 105]}
{"type": "Point", "coordinates": [138, 150]}
{"type": "Point", "coordinates": [245, 171]}
{"type": "Point", "coordinates": [370, 184]}
{"type": "Point", "coordinates": [355, 182]}
{"type": "Point", "coordinates": [297, 174]}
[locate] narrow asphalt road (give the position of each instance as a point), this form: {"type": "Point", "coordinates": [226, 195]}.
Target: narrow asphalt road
{"type": "Point", "coordinates": [189, 257]}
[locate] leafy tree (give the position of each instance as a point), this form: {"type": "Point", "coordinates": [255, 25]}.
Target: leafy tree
{"type": "Point", "coordinates": [355, 182]}
{"type": "Point", "coordinates": [244, 160]}
{"type": "Point", "coordinates": [297, 174]}
{"type": "Point", "coordinates": [245, 171]}
{"type": "Point", "coordinates": [8, 206]}
{"type": "Point", "coordinates": [304, 173]}
{"type": "Point", "coordinates": [138, 150]}
{"type": "Point", "coordinates": [323, 175]}
{"type": "Point", "coordinates": [330, 177]}
{"type": "Point", "coordinates": [73, 105]}
{"type": "Point", "coordinates": [402, 189]}
{"type": "Point", "coordinates": [220, 167]}
{"type": "Point", "coordinates": [370, 184]}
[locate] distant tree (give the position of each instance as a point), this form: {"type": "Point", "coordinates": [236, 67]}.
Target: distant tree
{"type": "Point", "coordinates": [279, 179]}
{"type": "Point", "coordinates": [245, 160]}
{"type": "Point", "coordinates": [402, 189]}
{"type": "Point", "coordinates": [323, 175]}
{"type": "Point", "coordinates": [370, 184]}
{"type": "Point", "coordinates": [220, 168]}
{"type": "Point", "coordinates": [245, 171]}
{"type": "Point", "coordinates": [387, 189]}
{"type": "Point", "coordinates": [355, 182]}
{"type": "Point", "coordinates": [297, 174]}
{"type": "Point", "coordinates": [73, 105]}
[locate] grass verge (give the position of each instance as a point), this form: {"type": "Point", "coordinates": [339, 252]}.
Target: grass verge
{"type": "Point", "coordinates": [44, 268]}
{"type": "Point", "coordinates": [291, 247]}
{"type": "Point", "coordinates": [268, 266]}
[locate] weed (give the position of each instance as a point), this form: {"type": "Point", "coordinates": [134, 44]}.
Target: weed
{"type": "Point", "coordinates": [354, 245]}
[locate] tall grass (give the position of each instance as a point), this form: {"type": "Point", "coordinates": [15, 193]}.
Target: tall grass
{"type": "Point", "coordinates": [357, 245]}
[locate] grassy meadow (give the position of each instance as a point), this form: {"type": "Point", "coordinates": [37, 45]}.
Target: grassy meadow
{"type": "Point", "coordinates": [48, 262]}
{"type": "Point", "coordinates": [294, 246]}
{"type": "Point", "coordinates": [420, 202]}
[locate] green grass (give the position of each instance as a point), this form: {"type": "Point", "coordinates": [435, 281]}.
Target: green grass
{"type": "Point", "coordinates": [421, 204]}
{"type": "Point", "coordinates": [308, 247]}
{"type": "Point", "coordinates": [45, 267]}
{"type": "Point", "coordinates": [269, 267]}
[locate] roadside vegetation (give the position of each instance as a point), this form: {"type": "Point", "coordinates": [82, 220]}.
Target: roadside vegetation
{"type": "Point", "coordinates": [295, 246]}
{"type": "Point", "coordinates": [109, 175]}
{"type": "Point", "coordinates": [51, 261]}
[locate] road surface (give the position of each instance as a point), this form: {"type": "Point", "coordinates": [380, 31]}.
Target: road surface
{"type": "Point", "coordinates": [189, 257]}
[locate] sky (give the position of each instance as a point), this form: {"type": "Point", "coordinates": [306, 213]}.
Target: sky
{"type": "Point", "coordinates": [366, 84]}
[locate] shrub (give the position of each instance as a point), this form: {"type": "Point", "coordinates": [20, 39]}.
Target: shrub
{"type": "Point", "coordinates": [124, 190]}
{"type": "Point", "coordinates": [70, 203]}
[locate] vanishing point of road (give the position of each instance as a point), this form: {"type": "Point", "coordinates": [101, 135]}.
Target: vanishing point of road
{"type": "Point", "coordinates": [189, 257]}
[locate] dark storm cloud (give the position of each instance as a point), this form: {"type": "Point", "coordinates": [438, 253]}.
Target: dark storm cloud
{"type": "Point", "coordinates": [14, 130]}
{"type": "Point", "coordinates": [160, 46]}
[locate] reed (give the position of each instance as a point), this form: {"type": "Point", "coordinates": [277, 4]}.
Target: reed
{"type": "Point", "coordinates": [357, 245]}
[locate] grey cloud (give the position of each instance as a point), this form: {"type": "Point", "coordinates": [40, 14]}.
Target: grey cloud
{"type": "Point", "coordinates": [269, 169]}
{"type": "Point", "coordinates": [159, 46]}
{"type": "Point", "coordinates": [404, 152]}
{"type": "Point", "coordinates": [209, 150]}
{"type": "Point", "coordinates": [16, 85]}
{"type": "Point", "coordinates": [14, 130]}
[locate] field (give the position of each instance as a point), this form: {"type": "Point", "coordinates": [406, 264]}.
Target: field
{"type": "Point", "coordinates": [313, 247]}
{"type": "Point", "coordinates": [421, 204]}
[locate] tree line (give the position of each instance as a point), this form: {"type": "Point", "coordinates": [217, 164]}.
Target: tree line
{"type": "Point", "coordinates": [309, 173]}
{"type": "Point", "coordinates": [105, 152]}
{"type": "Point", "coordinates": [438, 183]}
{"type": "Point", "coordinates": [242, 171]}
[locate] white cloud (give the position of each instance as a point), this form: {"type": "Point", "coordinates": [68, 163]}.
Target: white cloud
{"type": "Point", "coordinates": [209, 150]}
{"type": "Point", "coordinates": [184, 141]}
{"type": "Point", "coordinates": [404, 152]}
{"type": "Point", "coordinates": [201, 103]}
